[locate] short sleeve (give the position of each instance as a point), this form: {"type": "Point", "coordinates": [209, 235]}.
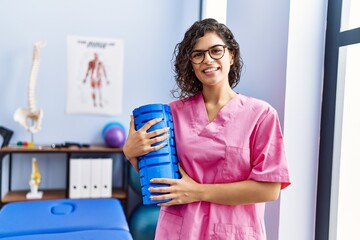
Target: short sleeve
{"type": "Point", "coordinates": [268, 158]}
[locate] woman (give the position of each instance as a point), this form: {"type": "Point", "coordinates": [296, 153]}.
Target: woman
{"type": "Point", "coordinates": [229, 146]}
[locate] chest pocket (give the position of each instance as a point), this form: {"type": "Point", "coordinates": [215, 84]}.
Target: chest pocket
{"type": "Point", "coordinates": [237, 164]}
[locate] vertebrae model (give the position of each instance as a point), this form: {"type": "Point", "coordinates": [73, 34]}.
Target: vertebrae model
{"type": "Point", "coordinates": [32, 113]}
{"type": "Point", "coordinates": [34, 182]}
{"type": "Point", "coordinates": [35, 177]}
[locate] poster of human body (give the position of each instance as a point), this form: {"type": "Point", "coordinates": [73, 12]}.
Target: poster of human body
{"type": "Point", "coordinates": [95, 75]}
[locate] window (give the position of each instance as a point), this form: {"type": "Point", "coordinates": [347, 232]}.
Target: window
{"type": "Point", "coordinates": [339, 158]}
{"type": "Point", "coordinates": [214, 9]}
{"type": "Point", "coordinates": [350, 17]}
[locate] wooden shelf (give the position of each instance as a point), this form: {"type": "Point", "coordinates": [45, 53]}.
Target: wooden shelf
{"type": "Point", "coordinates": [119, 193]}
{"type": "Point", "coordinates": [20, 195]}
{"type": "Point", "coordinates": [17, 196]}
{"type": "Point", "coordinates": [49, 149]}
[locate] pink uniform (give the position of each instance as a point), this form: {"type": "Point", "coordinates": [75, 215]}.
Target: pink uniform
{"type": "Point", "coordinates": [244, 141]}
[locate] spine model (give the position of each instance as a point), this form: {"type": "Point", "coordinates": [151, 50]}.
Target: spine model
{"type": "Point", "coordinates": [30, 117]}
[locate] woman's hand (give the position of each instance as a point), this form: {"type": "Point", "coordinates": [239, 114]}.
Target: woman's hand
{"type": "Point", "coordinates": [186, 190]}
{"type": "Point", "coordinates": [141, 142]}
{"type": "Point", "coordinates": [180, 191]}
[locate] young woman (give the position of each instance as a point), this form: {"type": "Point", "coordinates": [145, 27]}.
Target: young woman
{"type": "Point", "coordinates": [230, 146]}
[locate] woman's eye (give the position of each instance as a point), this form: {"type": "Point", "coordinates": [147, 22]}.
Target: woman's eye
{"type": "Point", "coordinates": [216, 51]}
{"type": "Point", "coordinates": [198, 55]}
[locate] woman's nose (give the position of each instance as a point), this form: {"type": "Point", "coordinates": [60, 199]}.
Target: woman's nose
{"type": "Point", "coordinates": [208, 59]}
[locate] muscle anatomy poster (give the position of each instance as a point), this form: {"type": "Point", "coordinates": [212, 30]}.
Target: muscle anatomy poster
{"type": "Point", "coordinates": [95, 75]}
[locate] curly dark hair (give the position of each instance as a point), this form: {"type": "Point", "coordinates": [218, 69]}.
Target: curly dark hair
{"type": "Point", "coordinates": [187, 82]}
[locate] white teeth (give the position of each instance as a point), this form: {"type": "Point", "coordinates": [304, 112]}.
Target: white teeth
{"type": "Point", "coordinates": [210, 70]}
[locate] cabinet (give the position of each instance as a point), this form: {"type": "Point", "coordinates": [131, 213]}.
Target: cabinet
{"type": "Point", "coordinates": [13, 196]}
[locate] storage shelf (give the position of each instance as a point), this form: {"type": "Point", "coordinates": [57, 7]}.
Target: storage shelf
{"type": "Point", "coordinates": [17, 196]}
{"type": "Point", "coordinates": [20, 195]}
{"type": "Point", "coordinates": [49, 149]}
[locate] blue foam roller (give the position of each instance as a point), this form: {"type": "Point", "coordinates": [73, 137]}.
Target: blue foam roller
{"type": "Point", "coordinates": [162, 163]}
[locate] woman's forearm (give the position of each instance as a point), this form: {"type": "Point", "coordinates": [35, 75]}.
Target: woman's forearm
{"type": "Point", "coordinates": [244, 192]}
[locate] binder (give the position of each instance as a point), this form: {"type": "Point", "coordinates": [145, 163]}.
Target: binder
{"type": "Point", "coordinates": [106, 177]}
{"type": "Point", "coordinates": [90, 178]}
{"type": "Point", "coordinates": [75, 181]}
{"type": "Point", "coordinates": [96, 178]}
{"type": "Point", "coordinates": [86, 178]}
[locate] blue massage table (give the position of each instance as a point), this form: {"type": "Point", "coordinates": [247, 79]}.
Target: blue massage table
{"type": "Point", "coordinates": [64, 219]}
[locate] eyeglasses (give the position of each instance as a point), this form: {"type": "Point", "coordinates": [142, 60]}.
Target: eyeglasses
{"type": "Point", "coordinates": [215, 52]}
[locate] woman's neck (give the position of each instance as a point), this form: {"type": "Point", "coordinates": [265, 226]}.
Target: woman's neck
{"type": "Point", "coordinates": [218, 97]}
{"type": "Point", "coordinates": [215, 100]}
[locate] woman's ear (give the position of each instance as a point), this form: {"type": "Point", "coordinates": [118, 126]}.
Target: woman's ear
{"type": "Point", "coordinates": [231, 58]}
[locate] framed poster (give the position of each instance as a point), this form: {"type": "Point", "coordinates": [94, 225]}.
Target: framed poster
{"type": "Point", "coordinates": [95, 75]}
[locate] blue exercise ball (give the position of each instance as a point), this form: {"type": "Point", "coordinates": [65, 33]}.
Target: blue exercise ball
{"type": "Point", "coordinates": [114, 135]}
{"type": "Point", "coordinates": [112, 124]}
{"type": "Point", "coordinates": [143, 221]}
{"type": "Point", "coordinates": [134, 180]}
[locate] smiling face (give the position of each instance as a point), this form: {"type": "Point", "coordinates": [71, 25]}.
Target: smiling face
{"type": "Point", "coordinates": [210, 72]}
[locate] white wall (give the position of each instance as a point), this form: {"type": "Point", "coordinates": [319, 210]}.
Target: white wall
{"type": "Point", "coordinates": [261, 28]}
{"type": "Point", "coordinates": [282, 44]}
{"type": "Point", "coordinates": [302, 116]}
{"type": "Point", "coordinates": [150, 30]}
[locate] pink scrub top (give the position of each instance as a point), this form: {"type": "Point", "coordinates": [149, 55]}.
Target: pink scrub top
{"type": "Point", "coordinates": [243, 142]}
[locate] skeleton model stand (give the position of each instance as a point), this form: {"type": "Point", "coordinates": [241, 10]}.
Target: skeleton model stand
{"type": "Point", "coordinates": [30, 117]}
{"type": "Point", "coordinates": [34, 182]}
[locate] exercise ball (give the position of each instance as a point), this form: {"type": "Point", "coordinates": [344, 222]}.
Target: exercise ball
{"type": "Point", "coordinates": [134, 180]}
{"type": "Point", "coordinates": [114, 135]}
{"type": "Point", "coordinates": [143, 221]}
{"type": "Point", "coordinates": [112, 124]}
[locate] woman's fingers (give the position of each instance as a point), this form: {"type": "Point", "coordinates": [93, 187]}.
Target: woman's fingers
{"type": "Point", "coordinates": [140, 142]}
{"type": "Point", "coordinates": [157, 147]}
{"type": "Point", "coordinates": [132, 125]}
{"type": "Point", "coordinates": [158, 139]}
{"type": "Point", "coordinates": [155, 136]}
{"type": "Point", "coordinates": [158, 132]}
{"type": "Point", "coordinates": [150, 123]}
{"type": "Point", "coordinates": [170, 181]}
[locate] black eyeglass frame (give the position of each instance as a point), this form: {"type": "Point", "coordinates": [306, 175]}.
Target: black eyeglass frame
{"type": "Point", "coordinates": [209, 50]}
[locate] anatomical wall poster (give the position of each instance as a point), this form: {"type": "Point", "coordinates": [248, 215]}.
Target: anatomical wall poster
{"type": "Point", "coordinates": [95, 75]}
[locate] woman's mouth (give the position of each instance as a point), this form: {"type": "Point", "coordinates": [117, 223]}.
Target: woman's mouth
{"type": "Point", "coordinates": [212, 69]}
